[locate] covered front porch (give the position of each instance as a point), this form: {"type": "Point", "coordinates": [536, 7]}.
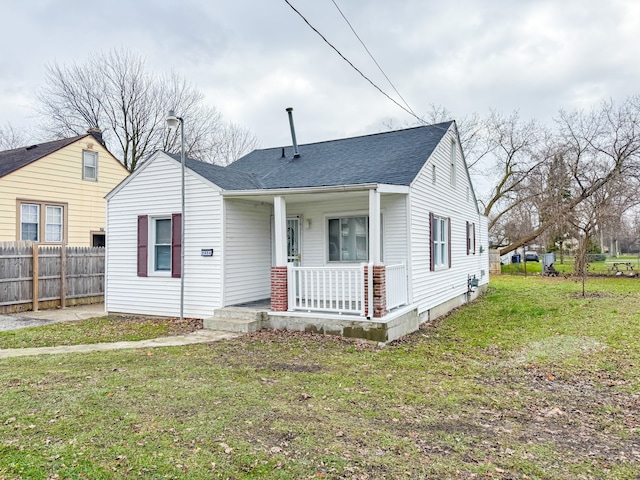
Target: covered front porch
{"type": "Point", "coordinates": [351, 289]}
{"type": "Point", "coordinates": [327, 272]}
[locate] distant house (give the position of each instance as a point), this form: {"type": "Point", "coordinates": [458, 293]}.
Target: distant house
{"type": "Point", "coordinates": [364, 236]}
{"type": "Point", "coordinates": [53, 192]}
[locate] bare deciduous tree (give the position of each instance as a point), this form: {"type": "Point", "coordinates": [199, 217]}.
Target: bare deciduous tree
{"type": "Point", "coordinates": [10, 138]}
{"type": "Point", "coordinates": [115, 93]}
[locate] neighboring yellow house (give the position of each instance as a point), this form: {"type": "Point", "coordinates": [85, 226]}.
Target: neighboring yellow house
{"type": "Point", "coordinates": [53, 193]}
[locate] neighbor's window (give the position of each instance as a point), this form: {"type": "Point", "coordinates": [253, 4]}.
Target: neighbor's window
{"type": "Point", "coordinates": [440, 254]}
{"type": "Point", "coordinates": [53, 224]}
{"type": "Point", "coordinates": [162, 245]}
{"type": "Point", "coordinates": [349, 239]}
{"type": "Point", "coordinates": [89, 165]}
{"type": "Point", "coordinates": [29, 222]}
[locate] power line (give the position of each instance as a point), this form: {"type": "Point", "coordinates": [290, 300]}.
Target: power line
{"type": "Point", "coordinates": [372, 57]}
{"type": "Point", "coordinates": [351, 64]}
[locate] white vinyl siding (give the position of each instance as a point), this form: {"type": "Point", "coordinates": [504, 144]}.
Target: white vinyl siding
{"type": "Point", "coordinates": [432, 288]}
{"type": "Point", "coordinates": [248, 251]}
{"type": "Point", "coordinates": [155, 191]}
{"type": "Point", "coordinates": [454, 163]}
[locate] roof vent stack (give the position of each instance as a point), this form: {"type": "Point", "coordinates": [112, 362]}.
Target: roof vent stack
{"type": "Point", "coordinates": [97, 134]}
{"type": "Point", "coordinates": [296, 153]}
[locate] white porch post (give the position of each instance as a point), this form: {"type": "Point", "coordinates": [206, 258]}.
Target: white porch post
{"type": "Point", "coordinates": [279, 288]}
{"type": "Point", "coordinates": [280, 217]}
{"type": "Point", "coordinates": [374, 227]}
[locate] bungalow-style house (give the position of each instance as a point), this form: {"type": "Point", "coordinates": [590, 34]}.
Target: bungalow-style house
{"type": "Point", "coordinates": [53, 192]}
{"type": "Point", "coordinates": [364, 236]}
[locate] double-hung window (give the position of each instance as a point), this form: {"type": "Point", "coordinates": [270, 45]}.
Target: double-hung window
{"type": "Point", "coordinates": [162, 245]}
{"type": "Point", "coordinates": [89, 165]}
{"type": "Point", "coordinates": [53, 224]}
{"type": "Point", "coordinates": [30, 222]}
{"type": "Point", "coordinates": [41, 222]}
{"type": "Point", "coordinates": [349, 239]}
{"type": "Point", "coordinates": [471, 238]}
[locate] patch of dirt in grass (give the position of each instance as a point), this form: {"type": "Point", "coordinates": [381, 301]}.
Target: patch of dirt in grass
{"type": "Point", "coordinates": [589, 295]}
{"type": "Point", "coordinates": [175, 325]}
{"type": "Point", "coordinates": [578, 419]}
{"type": "Point", "coordinates": [296, 368]}
{"type": "Point", "coordinates": [277, 336]}
{"type": "Point", "coordinates": [559, 347]}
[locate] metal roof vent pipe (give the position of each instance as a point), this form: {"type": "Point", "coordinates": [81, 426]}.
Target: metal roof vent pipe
{"type": "Point", "coordinates": [296, 153]}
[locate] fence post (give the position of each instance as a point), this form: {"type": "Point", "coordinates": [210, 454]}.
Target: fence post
{"type": "Point", "coordinates": [63, 276]}
{"type": "Point", "coordinates": [34, 277]}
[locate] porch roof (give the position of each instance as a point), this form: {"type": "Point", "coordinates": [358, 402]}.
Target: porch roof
{"type": "Point", "coordinates": [391, 158]}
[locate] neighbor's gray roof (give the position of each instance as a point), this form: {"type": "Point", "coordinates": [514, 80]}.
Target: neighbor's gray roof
{"type": "Point", "coordinates": [11, 160]}
{"type": "Point", "coordinates": [393, 158]}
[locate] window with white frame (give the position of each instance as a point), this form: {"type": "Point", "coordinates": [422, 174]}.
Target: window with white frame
{"type": "Point", "coordinates": [440, 241]}
{"type": "Point", "coordinates": [349, 239]}
{"type": "Point", "coordinates": [30, 222]}
{"type": "Point", "coordinates": [89, 165]}
{"type": "Point", "coordinates": [41, 222]}
{"type": "Point", "coordinates": [53, 224]}
{"type": "Point", "coordinates": [471, 238]}
{"type": "Point", "coordinates": [162, 244]}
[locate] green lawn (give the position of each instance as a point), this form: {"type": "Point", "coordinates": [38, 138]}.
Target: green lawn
{"type": "Point", "coordinates": [533, 381]}
{"type": "Point", "coordinates": [607, 267]}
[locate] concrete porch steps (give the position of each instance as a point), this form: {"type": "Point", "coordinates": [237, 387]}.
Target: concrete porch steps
{"type": "Point", "coordinates": [235, 319]}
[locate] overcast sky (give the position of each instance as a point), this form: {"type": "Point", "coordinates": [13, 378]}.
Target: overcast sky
{"type": "Point", "coordinates": [253, 58]}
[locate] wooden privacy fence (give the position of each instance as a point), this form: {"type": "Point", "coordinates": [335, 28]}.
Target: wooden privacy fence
{"type": "Point", "coordinates": [63, 275]}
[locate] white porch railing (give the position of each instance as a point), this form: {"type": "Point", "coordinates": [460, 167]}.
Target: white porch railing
{"type": "Point", "coordinates": [397, 290]}
{"type": "Point", "coordinates": [327, 289]}
{"type": "Point", "coordinates": [341, 289]}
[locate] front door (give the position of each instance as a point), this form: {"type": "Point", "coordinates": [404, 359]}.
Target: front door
{"type": "Point", "coordinates": [293, 240]}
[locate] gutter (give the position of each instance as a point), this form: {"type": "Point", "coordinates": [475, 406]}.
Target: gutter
{"type": "Point", "coordinates": [360, 187]}
{"type": "Point", "coordinates": [299, 190]}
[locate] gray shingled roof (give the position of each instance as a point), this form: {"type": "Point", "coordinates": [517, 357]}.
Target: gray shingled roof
{"type": "Point", "coordinates": [12, 160]}
{"type": "Point", "coordinates": [393, 158]}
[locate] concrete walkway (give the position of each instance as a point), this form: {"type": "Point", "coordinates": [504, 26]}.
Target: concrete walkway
{"type": "Point", "coordinates": [44, 317]}
{"type": "Point", "coordinates": [14, 321]}
{"type": "Point", "coordinates": [200, 336]}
